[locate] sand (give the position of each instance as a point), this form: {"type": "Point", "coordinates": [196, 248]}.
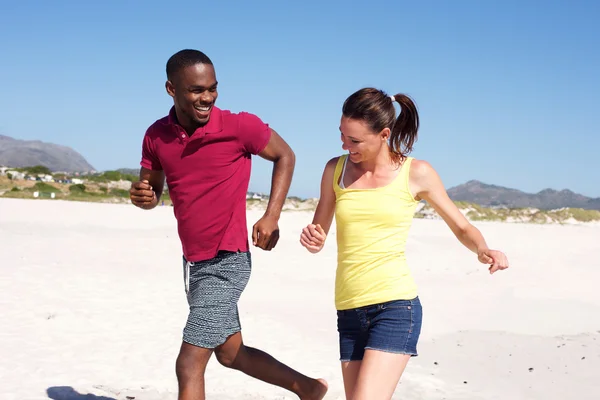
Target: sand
{"type": "Point", "coordinates": [93, 305]}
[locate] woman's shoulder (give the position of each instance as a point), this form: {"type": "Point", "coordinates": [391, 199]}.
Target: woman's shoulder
{"type": "Point", "coordinates": [424, 177]}
{"type": "Point", "coordinates": [333, 162]}
{"type": "Point", "coordinates": [420, 168]}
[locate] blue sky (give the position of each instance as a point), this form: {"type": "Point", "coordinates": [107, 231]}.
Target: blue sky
{"type": "Point", "coordinates": [507, 91]}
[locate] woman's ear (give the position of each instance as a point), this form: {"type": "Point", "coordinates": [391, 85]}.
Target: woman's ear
{"type": "Point", "coordinates": [385, 134]}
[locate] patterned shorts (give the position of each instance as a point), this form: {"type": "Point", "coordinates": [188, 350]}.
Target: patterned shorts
{"type": "Point", "coordinates": [213, 288]}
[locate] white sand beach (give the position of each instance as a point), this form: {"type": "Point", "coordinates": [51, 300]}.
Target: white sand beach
{"type": "Point", "coordinates": [92, 307]}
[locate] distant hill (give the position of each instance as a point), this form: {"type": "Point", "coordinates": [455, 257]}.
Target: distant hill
{"type": "Point", "coordinates": [28, 153]}
{"type": "Point", "coordinates": [492, 196]}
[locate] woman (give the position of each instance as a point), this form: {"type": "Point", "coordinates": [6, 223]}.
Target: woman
{"type": "Point", "coordinates": [373, 192]}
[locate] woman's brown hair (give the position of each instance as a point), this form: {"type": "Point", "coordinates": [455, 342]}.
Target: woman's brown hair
{"type": "Point", "coordinates": [377, 110]}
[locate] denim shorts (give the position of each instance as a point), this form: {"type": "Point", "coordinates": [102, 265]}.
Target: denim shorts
{"type": "Point", "coordinates": [393, 327]}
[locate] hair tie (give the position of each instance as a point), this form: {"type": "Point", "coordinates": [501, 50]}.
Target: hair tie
{"type": "Point", "coordinates": [393, 98]}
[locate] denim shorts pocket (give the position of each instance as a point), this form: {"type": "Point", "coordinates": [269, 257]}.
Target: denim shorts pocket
{"type": "Point", "coordinates": [346, 319]}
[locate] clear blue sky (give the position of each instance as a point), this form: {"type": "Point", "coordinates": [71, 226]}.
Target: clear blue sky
{"type": "Point", "coordinates": [508, 92]}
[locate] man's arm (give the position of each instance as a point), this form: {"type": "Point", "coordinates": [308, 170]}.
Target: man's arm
{"type": "Point", "coordinates": [265, 232]}
{"type": "Point", "coordinates": [156, 179]}
{"type": "Point", "coordinates": [146, 192]}
{"type": "Point", "coordinates": [284, 161]}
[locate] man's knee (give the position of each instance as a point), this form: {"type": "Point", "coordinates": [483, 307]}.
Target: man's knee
{"type": "Point", "coordinates": [230, 357]}
{"type": "Point", "coordinates": [191, 361]}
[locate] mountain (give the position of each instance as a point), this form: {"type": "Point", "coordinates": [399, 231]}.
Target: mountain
{"type": "Point", "coordinates": [547, 199]}
{"type": "Point", "coordinates": [28, 153]}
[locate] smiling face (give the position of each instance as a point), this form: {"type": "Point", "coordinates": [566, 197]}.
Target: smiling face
{"type": "Point", "coordinates": [194, 92]}
{"type": "Point", "coordinates": [360, 141]}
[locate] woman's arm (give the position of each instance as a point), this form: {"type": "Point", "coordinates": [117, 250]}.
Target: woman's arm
{"type": "Point", "coordinates": [314, 235]}
{"type": "Point", "coordinates": [426, 184]}
{"type": "Point", "coordinates": [326, 206]}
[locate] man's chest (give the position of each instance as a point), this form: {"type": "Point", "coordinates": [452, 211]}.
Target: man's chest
{"type": "Point", "coordinates": [209, 158]}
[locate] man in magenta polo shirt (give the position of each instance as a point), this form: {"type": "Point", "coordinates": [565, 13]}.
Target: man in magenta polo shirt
{"type": "Point", "coordinates": [205, 154]}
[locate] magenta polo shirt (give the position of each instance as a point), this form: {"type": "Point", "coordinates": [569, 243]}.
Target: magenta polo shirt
{"type": "Point", "coordinates": [207, 175]}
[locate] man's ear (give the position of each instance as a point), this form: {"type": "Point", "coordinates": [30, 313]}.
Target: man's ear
{"type": "Point", "coordinates": [170, 88]}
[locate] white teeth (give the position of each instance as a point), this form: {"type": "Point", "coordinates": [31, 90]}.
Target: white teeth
{"type": "Point", "coordinates": [202, 108]}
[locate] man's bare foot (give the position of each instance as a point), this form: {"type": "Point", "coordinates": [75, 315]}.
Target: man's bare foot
{"type": "Point", "coordinates": [318, 391]}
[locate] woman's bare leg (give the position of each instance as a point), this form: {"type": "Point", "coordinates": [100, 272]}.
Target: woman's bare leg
{"type": "Point", "coordinates": [379, 375]}
{"type": "Point", "coordinates": [350, 371]}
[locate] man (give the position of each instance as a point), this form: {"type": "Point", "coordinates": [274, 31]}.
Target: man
{"type": "Point", "coordinates": [205, 155]}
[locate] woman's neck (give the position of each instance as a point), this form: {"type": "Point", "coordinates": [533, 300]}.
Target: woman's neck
{"type": "Point", "coordinates": [383, 162]}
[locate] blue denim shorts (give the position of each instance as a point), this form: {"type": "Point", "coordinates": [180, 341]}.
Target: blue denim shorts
{"type": "Point", "coordinates": [392, 327]}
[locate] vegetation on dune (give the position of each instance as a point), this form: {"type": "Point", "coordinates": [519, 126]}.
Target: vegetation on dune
{"type": "Point", "coordinates": [43, 187]}
{"type": "Point", "coordinates": [112, 186]}
{"type": "Point", "coordinates": [78, 192]}
{"type": "Point", "coordinates": [108, 186]}
{"type": "Point", "coordinates": [5, 183]}
{"type": "Point", "coordinates": [35, 170]}
{"type": "Point", "coordinates": [78, 188]}
{"type": "Point", "coordinates": [475, 212]}
{"type": "Point", "coordinates": [112, 176]}
{"type": "Point", "coordinates": [578, 214]}
{"type": "Point", "coordinates": [119, 193]}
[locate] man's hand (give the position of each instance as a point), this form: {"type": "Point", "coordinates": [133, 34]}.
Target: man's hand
{"type": "Point", "coordinates": [265, 233]}
{"type": "Point", "coordinates": [142, 195]}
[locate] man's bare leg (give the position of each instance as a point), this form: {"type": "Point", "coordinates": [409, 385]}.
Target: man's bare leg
{"type": "Point", "coordinates": [260, 365]}
{"type": "Point", "coordinates": [190, 368]}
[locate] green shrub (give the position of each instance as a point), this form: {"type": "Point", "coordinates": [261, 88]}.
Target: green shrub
{"type": "Point", "coordinates": [44, 187]}
{"type": "Point", "coordinates": [119, 192]}
{"type": "Point", "coordinates": [78, 188]}
{"type": "Point", "coordinates": [37, 170]}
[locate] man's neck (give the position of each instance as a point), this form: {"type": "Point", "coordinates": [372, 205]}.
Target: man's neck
{"type": "Point", "coordinates": [187, 125]}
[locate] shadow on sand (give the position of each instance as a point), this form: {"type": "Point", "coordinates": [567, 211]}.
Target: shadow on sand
{"type": "Point", "coordinates": [68, 393]}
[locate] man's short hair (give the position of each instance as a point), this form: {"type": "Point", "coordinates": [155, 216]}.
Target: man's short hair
{"type": "Point", "coordinates": [183, 59]}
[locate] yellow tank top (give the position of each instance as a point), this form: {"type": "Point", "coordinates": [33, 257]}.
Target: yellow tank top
{"type": "Point", "coordinates": [372, 228]}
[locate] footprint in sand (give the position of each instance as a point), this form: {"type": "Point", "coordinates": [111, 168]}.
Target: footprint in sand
{"type": "Point", "coordinates": [141, 393]}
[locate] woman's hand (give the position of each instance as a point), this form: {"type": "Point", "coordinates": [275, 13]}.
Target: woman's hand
{"type": "Point", "coordinates": [497, 259]}
{"type": "Point", "coordinates": [313, 238]}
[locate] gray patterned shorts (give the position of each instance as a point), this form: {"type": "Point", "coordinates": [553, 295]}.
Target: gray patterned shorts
{"type": "Point", "coordinates": [213, 288]}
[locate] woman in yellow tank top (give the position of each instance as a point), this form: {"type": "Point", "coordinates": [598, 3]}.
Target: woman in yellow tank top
{"type": "Point", "coordinates": [372, 191]}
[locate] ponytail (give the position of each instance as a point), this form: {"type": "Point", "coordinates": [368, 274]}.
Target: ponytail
{"type": "Point", "coordinates": [404, 131]}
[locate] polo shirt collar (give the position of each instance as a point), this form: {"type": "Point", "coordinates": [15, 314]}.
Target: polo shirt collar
{"type": "Point", "coordinates": [214, 125]}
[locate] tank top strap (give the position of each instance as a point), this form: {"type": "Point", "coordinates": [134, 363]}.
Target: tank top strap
{"type": "Point", "coordinates": [338, 171]}
{"type": "Point", "coordinates": [405, 170]}
{"type": "Point", "coordinates": [404, 176]}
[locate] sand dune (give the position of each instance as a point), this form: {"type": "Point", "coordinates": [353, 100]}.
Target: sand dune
{"type": "Point", "coordinates": [93, 305]}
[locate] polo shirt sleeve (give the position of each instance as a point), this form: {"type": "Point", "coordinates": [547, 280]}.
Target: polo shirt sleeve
{"type": "Point", "coordinates": [149, 158]}
{"type": "Point", "coordinates": [253, 132]}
